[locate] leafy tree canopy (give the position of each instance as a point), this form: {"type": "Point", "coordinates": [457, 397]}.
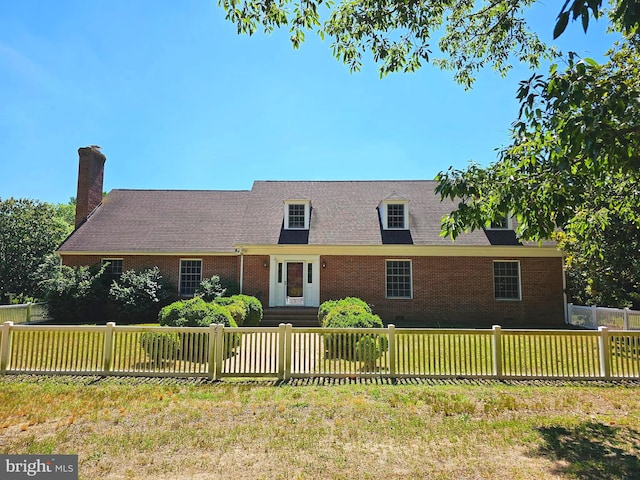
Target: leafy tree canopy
{"type": "Point", "coordinates": [570, 173]}
{"type": "Point", "coordinates": [402, 35]}
{"type": "Point", "coordinates": [578, 133]}
{"type": "Point", "coordinates": [29, 231]}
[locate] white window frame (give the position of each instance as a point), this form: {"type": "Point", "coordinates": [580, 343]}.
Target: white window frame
{"type": "Point", "coordinates": [495, 292]}
{"type": "Point", "coordinates": [509, 226]}
{"type": "Point", "coordinates": [384, 213]}
{"type": "Point", "coordinates": [386, 278]}
{"type": "Point", "coordinates": [307, 213]}
{"type": "Point", "coordinates": [110, 262]}
{"type": "Point", "coordinates": [180, 275]}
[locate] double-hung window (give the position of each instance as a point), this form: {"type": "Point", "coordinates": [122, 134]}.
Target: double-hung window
{"type": "Point", "coordinates": [296, 214]}
{"type": "Point", "coordinates": [394, 214]}
{"type": "Point", "coordinates": [190, 276]}
{"type": "Point", "coordinates": [506, 280]}
{"type": "Point", "coordinates": [501, 223]}
{"type": "Point", "coordinates": [399, 279]}
{"type": "Point", "coordinates": [113, 267]}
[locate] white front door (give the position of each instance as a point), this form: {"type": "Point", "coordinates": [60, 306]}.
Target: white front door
{"type": "Point", "coordinates": [294, 281]}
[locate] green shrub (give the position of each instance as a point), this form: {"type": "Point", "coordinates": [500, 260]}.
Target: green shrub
{"type": "Point", "coordinates": [251, 306]}
{"type": "Point", "coordinates": [195, 313]}
{"type": "Point", "coordinates": [329, 305]}
{"type": "Point", "coordinates": [75, 294]}
{"type": "Point", "coordinates": [198, 313]}
{"type": "Point", "coordinates": [160, 346]}
{"type": "Point", "coordinates": [353, 346]}
{"type": "Point", "coordinates": [210, 289]}
{"type": "Point", "coordinates": [324, 310]}
{"type": "Point", "coordinates": [236, 308]}
{"type": "Point", "coordinates": [352, 316]}
{"type": "Point", "coordinates": [254, 310]}
{"type": "Point", "coordinates": [139, 295]}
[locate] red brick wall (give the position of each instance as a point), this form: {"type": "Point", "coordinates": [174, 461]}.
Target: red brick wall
{"type": "Point", "coordinates": [447, 291]}
{"type": "Point", "coordinates": [256, 277]}
{"type": "Point", "coordinates": [226, 267]}
{"type": "Point", "coordinates": [451, 290]}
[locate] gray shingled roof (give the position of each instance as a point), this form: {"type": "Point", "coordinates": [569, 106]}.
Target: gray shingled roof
{"type": "Point", "coordinates": [343, 213]}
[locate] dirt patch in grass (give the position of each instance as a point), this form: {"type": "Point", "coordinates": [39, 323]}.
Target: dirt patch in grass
{"type": "Point", "coordinates": [334, 429]}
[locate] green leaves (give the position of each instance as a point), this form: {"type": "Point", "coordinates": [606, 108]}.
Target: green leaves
{"type": "Point", "coordinates": [573, 166]}
{"type": "Point", "coordinates": [29, 231]}
{"type": "Point", "coordinates": [401, 36]}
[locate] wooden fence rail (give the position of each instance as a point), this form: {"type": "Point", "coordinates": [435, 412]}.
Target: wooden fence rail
{"type": "Point", "coordinates": [286, 352]}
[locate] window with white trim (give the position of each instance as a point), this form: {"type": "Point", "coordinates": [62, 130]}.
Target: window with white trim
{"type": "Point", "coordinates": [502, 223]}
{"type": "Point", "coordinates": [506, 280]}
{"type": "Point", "coordinates": [190, 276]}
{"type": "Point", "coordinates": [399, 279]}
{"type": "Point", "coordinates": [296, 214]}
{"type": "Point", "coordinates": [113, 267]}
{"type": "Point", "coordinates": [394, 215]}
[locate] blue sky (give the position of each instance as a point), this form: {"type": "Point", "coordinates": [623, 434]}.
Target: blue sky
{"type": "Point", "coordinates": [177, 100]}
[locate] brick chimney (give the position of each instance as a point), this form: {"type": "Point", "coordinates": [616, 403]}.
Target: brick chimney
{"type": "Point", "coordinates": [90, 176]}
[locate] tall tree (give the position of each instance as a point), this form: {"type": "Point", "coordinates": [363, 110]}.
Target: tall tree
{"type": "Point", "coordinates": [29, 230]}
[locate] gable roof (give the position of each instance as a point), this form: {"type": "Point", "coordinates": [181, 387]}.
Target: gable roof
{"type": "Point", "coordinates": [214, 221]}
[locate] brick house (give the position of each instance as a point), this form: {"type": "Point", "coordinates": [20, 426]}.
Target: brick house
{"type": "Point", "coordinates": [299, 243]}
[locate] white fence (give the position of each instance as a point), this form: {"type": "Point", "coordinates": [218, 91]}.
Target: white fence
{"type": "Point", "coordinates": [286, 352]}
{"type": "Point", "coordinates": [24, 313]}
{"type": "Point", "coordinates": [593, 317]}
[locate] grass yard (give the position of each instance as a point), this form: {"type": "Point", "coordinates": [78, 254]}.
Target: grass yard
{"type": "Point", "coordinates": [328, 429]}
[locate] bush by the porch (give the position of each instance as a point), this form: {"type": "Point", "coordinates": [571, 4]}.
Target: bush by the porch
{"type": "Point", "coordinates": [245, 309]}
{"type": "Point", "coordinates": [329, 305]}
{"type": "Point", "coordinates": [195, 313]}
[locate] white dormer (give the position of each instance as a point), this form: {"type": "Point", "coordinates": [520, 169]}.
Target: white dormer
{"type": "Point", "coordinates": [297, 214]}
{"type": "Point", "coordinates": [502, 223]}
{"type": "Point", "coordinates": [394, 212]}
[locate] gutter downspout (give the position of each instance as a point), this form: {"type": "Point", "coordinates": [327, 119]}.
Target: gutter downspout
{"type": "Point", "coordinates": [240, 250]}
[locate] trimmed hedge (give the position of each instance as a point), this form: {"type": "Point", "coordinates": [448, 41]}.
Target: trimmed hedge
{"type": "Point", "coordinates": [348, 313]}
{"type": "Point", "coordinates": [351, 316]}
{"type": "Point", "coordinates": [329, 305]}
{"type": "Point", "coordinates": [195, 313]}
{"type": "Point", "coordinates": [246, 310]}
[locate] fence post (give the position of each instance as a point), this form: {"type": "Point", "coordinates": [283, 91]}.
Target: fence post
{"type": "Point", "coordinates": [392, 350]}
{"type": "Point", "coordinates": [5, 348]}
{"type": "Point", "coordinates": [626, 318]}
{"type": "Point", "coordinates": [211, 359]}
{"type": "Point", "coordinates": [108, 348]}
{"type": "Point", "coordinates": [497, 351]}
{"type": "Point", "coordinates": [220, 348]}
{"type": "Point", "coordinates": [281, 350]}
{"type": "Point", "coordinates": [288, 348]}
{"type": "Point", "coordinates": [594, 315]}
{"type": "Point", "coordinates": [28, 319]}
{"type": "Point", "coordinates": [605, 352]}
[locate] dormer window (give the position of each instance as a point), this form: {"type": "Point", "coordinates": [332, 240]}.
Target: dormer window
{"type": "Point", "coordinates": [296, 214]}
{"type": "Point", "coordinates": [502, 223]}
{"type": "Point", "coordinates": [394, 214]}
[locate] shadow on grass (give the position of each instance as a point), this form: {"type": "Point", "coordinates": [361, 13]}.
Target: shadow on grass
{"type": "Point", "coordinates": [593, 451]}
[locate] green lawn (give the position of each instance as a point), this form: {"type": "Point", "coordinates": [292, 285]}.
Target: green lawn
{"type": "Point", "coordinates": [334, 429]}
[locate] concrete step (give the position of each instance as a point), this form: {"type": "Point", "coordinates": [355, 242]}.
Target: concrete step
{"type": "Point", "coordinates": [296, 316]}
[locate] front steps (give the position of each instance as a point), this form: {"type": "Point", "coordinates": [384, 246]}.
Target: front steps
{"type": "Point", "coordinates": [296, 316]}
